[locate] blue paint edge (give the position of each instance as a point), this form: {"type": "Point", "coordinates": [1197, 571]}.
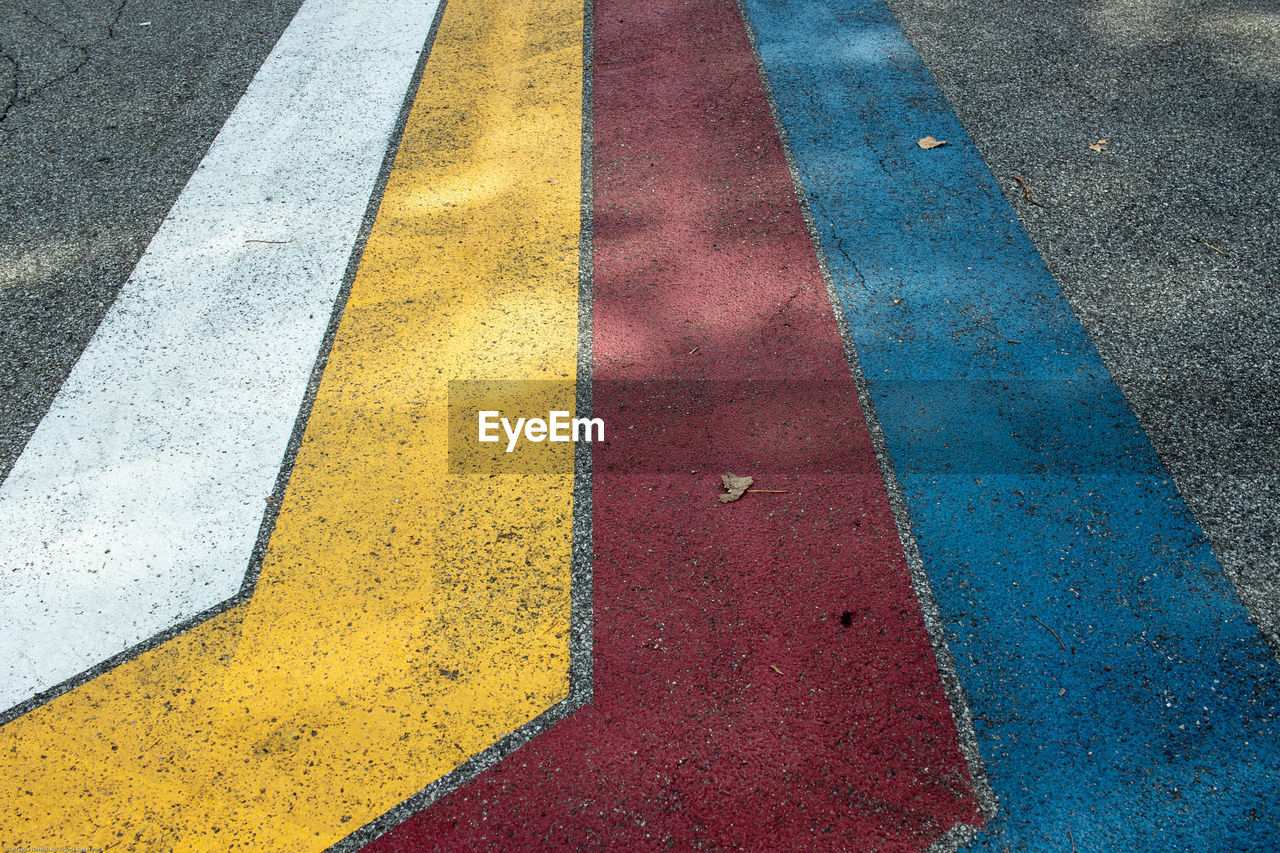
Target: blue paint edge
{"type": "Point", "coordinates": [1122, 698]}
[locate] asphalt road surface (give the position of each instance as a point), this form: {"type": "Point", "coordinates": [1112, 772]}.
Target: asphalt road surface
{"type": "Point", "coordinates": [108, 107]}
{"type": "Point", "coordinates": [1166, 242]}
{"type": "Point", "coordinates": [986, 601]}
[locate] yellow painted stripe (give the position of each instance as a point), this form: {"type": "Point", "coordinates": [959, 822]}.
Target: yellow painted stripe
{"type": "Point", "coordinates": [393, 634]}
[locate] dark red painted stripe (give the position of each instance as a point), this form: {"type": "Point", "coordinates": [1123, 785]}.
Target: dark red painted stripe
{"type": "Point", "coordinates": [731, 705]}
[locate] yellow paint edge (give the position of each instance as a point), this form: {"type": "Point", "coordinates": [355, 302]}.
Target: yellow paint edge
{"type": "Point", "coordinates": [393, 632]}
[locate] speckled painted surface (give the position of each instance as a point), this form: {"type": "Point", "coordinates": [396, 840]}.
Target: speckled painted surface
{"type": "Point", "coordinates": [1167, 243]}
{"type": "Point", "coordinates": [732, 704]}
{"type": "Point", "coordinates": [393, 632]}
{"type": "Point", "coordinates": [136, 503]}
{"type": "Point", "coordinates": [1122, 701]}
{"type": "Point", "coordinates": [1122, 698]}
{"type": "Point", "coordinates": [106, 109]}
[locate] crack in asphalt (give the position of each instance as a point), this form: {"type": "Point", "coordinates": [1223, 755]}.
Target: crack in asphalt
{"type": "Point", "coordinates": [837, 243]}
{"type": "Point", "coordinates": [13, 88]}
{"type": "Point", "coordinates": [15, 96]}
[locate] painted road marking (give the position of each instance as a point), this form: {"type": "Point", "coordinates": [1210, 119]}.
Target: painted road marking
{"type": "Point", "coordinates": [1124, 701]}
{"type": "Point", "coordinates": [731, 707]}
{"type": "Point", "coordinates": [137, 502]}
{"type": "Point", "coordinates": [393, 634]}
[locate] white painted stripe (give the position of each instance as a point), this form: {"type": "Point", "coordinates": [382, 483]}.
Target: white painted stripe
{"type": "Point", "coordinates": [137, 502]}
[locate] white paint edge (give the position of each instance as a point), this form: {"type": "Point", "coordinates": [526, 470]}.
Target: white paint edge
{"type": "Point", "coordinates": [137, 502]}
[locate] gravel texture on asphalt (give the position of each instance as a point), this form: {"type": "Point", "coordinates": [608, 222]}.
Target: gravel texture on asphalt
{"type": "Point", "coordinates": [105, 110]}
{"type": "Point", "coordinates": [1165, 242]}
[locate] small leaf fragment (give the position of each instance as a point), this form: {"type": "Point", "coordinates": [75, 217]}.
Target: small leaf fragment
{"type": "Point", "coordinates": [774, 667]}
{"type": "Point", "coordinates": [1100, 145]}
{"type": "Point", "coordinates": [735, 485]}
{"type": "Point", "coordinates": [929, 142]}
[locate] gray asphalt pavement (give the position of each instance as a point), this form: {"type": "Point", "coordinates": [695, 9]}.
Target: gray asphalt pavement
{"type": "Point", "coordinates": [1166, 242]}
{"type": "Point", "coordinates": [105, 110]}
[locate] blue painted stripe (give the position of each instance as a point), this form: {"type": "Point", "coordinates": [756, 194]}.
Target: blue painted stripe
{"type": "Point", "coordinates": [1032, 490]}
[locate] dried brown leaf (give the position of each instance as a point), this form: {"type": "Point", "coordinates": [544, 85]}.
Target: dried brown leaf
{"type": "Point", "coordinates": [929, 142]}
{"type": "Point", "coordinates": [1100, 145]}
{"type": "Point", "coordinates": [735, 485]}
